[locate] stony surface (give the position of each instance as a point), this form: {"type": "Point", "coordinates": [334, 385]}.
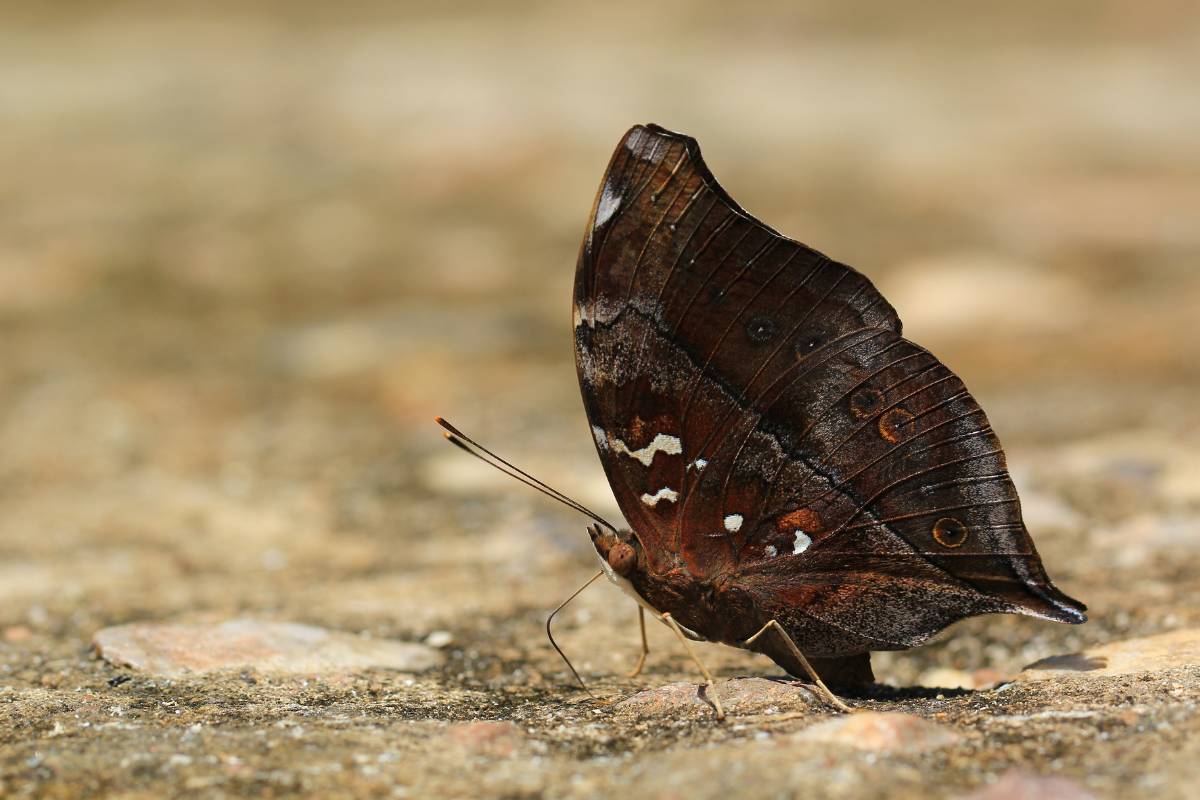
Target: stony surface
{"type": "Point", "coordinates": [176, 650]}
{"type": "Point", "coordinates": [739, 697]}
{"type": "Point", "coordinates": [248, 251]}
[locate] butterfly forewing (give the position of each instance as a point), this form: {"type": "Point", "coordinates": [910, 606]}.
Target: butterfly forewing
{"type": "Point", "coordinates": [668, 251]}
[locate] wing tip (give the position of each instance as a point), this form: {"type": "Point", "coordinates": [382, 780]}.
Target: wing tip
{"type": "Point", "coordinates": [1045, 601]}
{"type": "Point", "coordinates": [658, 131]}
{"type": "Point", "coordinates": [640, 140]}
{"type": "Point", "coordinates": [650, 141]}
{"type": "Point", "coordinates": [646, 145]}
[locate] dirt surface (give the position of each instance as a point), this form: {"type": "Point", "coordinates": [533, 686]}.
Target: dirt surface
{"type": "Point", "coordinates": [246, 254]}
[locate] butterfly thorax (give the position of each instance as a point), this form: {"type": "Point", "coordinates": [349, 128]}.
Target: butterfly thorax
{"type": "Point", "coordinates": [713, 609]}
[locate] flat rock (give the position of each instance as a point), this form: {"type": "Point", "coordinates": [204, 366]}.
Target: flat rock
{"type": "Point", "coordinates": [738, 696]}
{"type": "Point", "coordinates": [1149, 654]}
{"type": "Point", "coordinates": [281, 647]}
{"type": "Point", "coordinates": [881, 732]}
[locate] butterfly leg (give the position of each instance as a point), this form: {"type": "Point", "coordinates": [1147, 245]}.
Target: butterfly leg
{"type": "Point", "coordinates": [637, 669]}
{"type": "Point", "coordinates": [830, 697]}
{"type": "Point", "coordinates": [669, 621]}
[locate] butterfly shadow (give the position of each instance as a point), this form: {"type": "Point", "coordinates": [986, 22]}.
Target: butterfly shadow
{"type": "Point", "coordinates": [1069, 662]}
{"type": "Point", "coordinates": [884, 691]}
{"type": "Point", "coordinates": [881, 691]}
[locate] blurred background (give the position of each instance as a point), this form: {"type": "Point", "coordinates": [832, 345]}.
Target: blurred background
{"type": "Point", "coordinates": [247, 251]}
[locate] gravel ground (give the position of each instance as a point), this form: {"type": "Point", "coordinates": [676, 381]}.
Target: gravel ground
{"type": "Point", "coordinates": [246, 254]}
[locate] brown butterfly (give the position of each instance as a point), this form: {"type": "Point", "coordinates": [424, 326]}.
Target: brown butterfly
{"type": "Point", "coordinates": [800, 480]}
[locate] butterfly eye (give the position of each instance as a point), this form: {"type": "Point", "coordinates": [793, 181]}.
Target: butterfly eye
{"type": "Point", "coordinates": [808, 343]}
{"type": "Point", "coordinates": [866, 402]}
{"type": "Point", "coordinates": [949, 532]}
{"type": "Point", "coordinates": [760, 329]}
{"type": "Point", "coordinates": [623, 559]}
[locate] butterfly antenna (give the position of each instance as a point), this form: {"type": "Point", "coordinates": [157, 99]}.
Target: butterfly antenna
{"type": "Point", "coordinates": [469, 445]}
{"type": "Point", "coordinates": [554, 644]}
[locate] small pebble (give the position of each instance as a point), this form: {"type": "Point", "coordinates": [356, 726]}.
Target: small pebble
{"type": "Point", "coordinates": [17, 633]}
{"type": "Point", "coordinates": [439, 639]}
{"type": "Point", "coordinates": [881, 732]}
{"type": "Point", "coordinates": [494, 738]}
{"type": "Point", "coordinates": [1021, 785]}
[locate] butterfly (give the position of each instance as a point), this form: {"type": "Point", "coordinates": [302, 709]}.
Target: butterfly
{"type": "Point", "coordinates": [780, 451]}
{"type": "Point", "coordinates": [798, 478]}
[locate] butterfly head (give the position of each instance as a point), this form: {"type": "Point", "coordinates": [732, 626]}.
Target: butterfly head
{"type": "Point", "coordinates": [618, 550]}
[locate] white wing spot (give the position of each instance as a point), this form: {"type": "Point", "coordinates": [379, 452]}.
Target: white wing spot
{"type": "Point", "coordinates": [598, 309]}
{"type": "Point", "coordinates": [584, 314]}
{"type": "Point", "coordinates": [665, 493]}
{"type": "Point", "coordinates": [600, 436]}
{"type": "Point", "coordinates": [802, 543]}
{"type": "Point", "coordinates": [699, 464]}
{"type": "Point", "coordinates": [733, 523]}
{"type": "Point", "coordinates": [668, 444]}
{"type": "Point", "coordinates": [610, 201]}
{"type": "Point", "coordinates": [771, 551]}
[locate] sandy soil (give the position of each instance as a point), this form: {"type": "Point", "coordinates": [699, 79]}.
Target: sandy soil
{"type": "Point", "coordinates": [247, 254]}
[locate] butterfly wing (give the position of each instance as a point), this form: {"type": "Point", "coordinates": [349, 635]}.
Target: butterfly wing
{"type": "Point", "coordinates": [671, 274]}
{"type": "Point", "coordinates": [761, 418]}
{"type": "Point", "coordinates": [875, 501]}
